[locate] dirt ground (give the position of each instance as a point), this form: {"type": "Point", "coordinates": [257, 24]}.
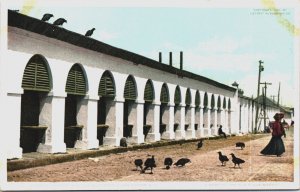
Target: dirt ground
{"type": "Point", "coordinates": [204, 166]}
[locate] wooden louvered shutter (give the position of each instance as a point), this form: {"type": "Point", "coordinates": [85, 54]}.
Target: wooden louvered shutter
{"type": "Point", "coordinates": [197, 99]}
{"type": "Point", "coordinates": [36, 76]}
{"type": "Point", "coordinates": [76, 82]}
{"type": "Point", "coordinates": [164, 94]}
{"type": "Point", "coordinates": [148, 93]}
{"type": "Point", "coordinates": [177, 98]}
{"type": "Point", "coordinates": [205, 100]}
{"type": "Point", "coordinates": [219, 103]}
{"type": "Point", "coordinates": [106, 86]}
{"type": "Point", "coordinates": [129, 91]}
{"type": "Point", "coordinates": [224, 103]}
{"type": "Point", "coordinates": [188, 97]}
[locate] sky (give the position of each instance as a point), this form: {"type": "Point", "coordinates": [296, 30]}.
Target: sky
{"type": "Point", "coordinates": [223, 44]}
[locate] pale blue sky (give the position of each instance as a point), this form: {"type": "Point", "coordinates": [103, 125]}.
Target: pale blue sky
{"type": "Point", "coordinates": [223, 44]}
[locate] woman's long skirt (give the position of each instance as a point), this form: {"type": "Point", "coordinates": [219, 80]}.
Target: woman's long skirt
{"type": "Point", "coordinates": [274, 147]}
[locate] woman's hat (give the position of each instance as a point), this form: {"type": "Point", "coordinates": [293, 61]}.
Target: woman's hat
{"type": "Point", "coordinates": [278, 115]}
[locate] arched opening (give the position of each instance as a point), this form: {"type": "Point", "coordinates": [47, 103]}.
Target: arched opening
{"type": "Point", "coordinates": [148, 121]}
{"type": "Point", "coordinates": [129, 115]}
{"type": "Point", "coordinates": [197, 111]}
{"type": "Point", "coordinates": [164, 109]}
{"type": "Point", "coordinates": [219, 109]}
{"type": "Point", "coordinates": [177, 111]}
{"type": "Point", "coordinates": [105, 116]}
{"type": "Point", "coordinates": [188, 115]}
{"type": "Point", "coordinates": [205, 111]}
{"type": "Point", "coordinates": [76, 88]}
{"type": "Point", "coordinates": [212, 112]}
{"type": "Point", "coordinates": [229, 116]}
{"type": "Point", "coordinates": [36, 83]}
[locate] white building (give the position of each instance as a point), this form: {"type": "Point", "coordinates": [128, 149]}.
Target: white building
{"type": "Point", "coordinates": [60, 89]}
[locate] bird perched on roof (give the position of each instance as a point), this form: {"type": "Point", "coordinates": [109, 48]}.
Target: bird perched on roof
{"type": "Point", "coordinates": [89, 32]}
{"type": "Point", "coordinates": [181, 162]}
{"type": "Point", "coordinates": [240, 144]}
{"type": "Point", "coordinates": [138, 163]}
{"type": "Point", "coordinates": [168, 162]}
{"type": "Point", "coordinates": [149, 163]}
{"type": "Point", "coordinates": [223, 158]}
{"type": "Point", "coordinates": [200, 144]}
{"type": "Point", "coordinates": [236, 161]}
{"type": "Point", "coordinates": [59, 21]}
{"type": "Point", "coordinates": [47, 16]}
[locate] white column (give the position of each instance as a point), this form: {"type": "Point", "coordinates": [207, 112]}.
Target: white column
{"type": "Point", "coordinates": [169, 133]}
{"type": "Point", "coordinates": [182, 122]}
{"type": "Point", "coordinates": [115, 118]}
{"type": "Point", "coordinates": [223, 120]}
{"type": "Point", "coordinates": [52, 115]}
{"type": "Point", "coordinates": [87, 116]}
{"type": "Point", "coordinates": [156, 121]}
{"type": "Point", "coordinates": [139, 122]}
{"type": "Point", "coordinates": [12, 122]}
{"type": "Point", "coordinates": [192, 124]}
{"type": "Point", "coordinates": [207, 129]}
{"type": "Point", "coordinates": [200, 126]}
{"type": "Point", "coordinates": [214, 129]}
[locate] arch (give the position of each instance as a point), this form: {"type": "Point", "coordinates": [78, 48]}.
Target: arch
{"type": "Point", "coordinates": [149, 91]}
{"type": "Point", "coordinates": [130, 92]}
{"type": "Point", "coordinates": [177, 97]}
{"type": "Point", "coordinates": [205, 100]}
{"type": "Point", "coordinates": [197, 99]}
{"type": "Point", "coordinates": [229, 104]}
{"type": "Point", "coordinates": [212, 102]}
{"type": "Point", "coordinates": [107, 85]}
{"type": "Point", "coordinates": [219, 103]}
{"type": "Point", "coordinates": [37, 74]}
{"type": "Point", "coordinates": [224, 103]}
{"type": "Point", "coordinates": [76, 82]}
{"type": "Point", "coordinates": [164, 94]}
{"type": "Point", "coordinates": [188, 97]}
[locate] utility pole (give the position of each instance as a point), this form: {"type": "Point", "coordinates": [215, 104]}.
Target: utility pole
{"type": "Point", "coordinates": [265, 102]}
{"type": "Point", "coordinates": [260, 69]}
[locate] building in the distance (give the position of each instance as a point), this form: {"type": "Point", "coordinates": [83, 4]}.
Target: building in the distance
{"type": "Point", "coordinates": [60, 89]}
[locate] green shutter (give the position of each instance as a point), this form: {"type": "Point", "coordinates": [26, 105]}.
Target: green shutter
{"type": "Point", "coordinates": [76, 84]}
{"type": "Point", "coordinates": [188, 97]}
{"type": "Point", "coordinates": [106, 85]}
{"type": "Point", "coordinates": [212, 101]}
{"type": "Point", "coordinates": [149, 92]}
{"type": "Point", "coordinates": [224, 103]}
{"type": "Point", "coordinates": [177, 98]}
{"type": "Point", "coordinates": [130, 90]}
{"type": "Point", "coordinates": [164, 94]}
{"type": "Point", "coordinates": [36, 75]}
{"type": "Point", "coordinates": [219, 103]}
{"type": "Point", "coordinates": [197, 99]}
{"type": "Point", "coordinates": [205, 100]}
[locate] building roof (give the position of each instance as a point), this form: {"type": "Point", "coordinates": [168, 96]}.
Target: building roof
{"type": "Point", "coordinates": [34, 25]}
{"type": "Point", "coordinates": [271, 103]}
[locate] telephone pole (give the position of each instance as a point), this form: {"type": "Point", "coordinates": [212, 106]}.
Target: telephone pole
{"type": "Point", "coordinates": [278, 94]}
{"type": "Point", "coordinates": [260, 69]}
{"type": "Point", "coordinates": [265, 102]}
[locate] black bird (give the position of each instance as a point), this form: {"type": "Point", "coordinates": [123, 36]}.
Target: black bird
{"type": "Point", "coordinates": [240, 144]}
{"type": "Point", "coordinates": [138, 163]}
{"type": "Point", "coordinates": [46, 17]}
{"type": "Point", "coordinates": [123, 142]}
{"type": "Point", "coordinates": [181, 162]}
{"type": "Point", "coordinates": [59, 21]}
{"type": "Point", "coordinates": [168, 162]}
{"type": "Point", "coordinates": [236, 160]}
{"type": "Point", "coordinates": [200, 144]}
{"type": "Point", "coordinates": [149, 163]}
{"type": "Point", "coordinates": [89, 32]}
{"type": "Point", "coordinates": [223, 158]}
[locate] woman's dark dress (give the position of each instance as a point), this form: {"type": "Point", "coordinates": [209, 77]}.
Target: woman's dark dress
{"type": "Point", "coordinates": [275, 146]}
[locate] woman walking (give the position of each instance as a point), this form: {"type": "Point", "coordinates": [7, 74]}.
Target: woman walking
{"type": "Point", "coordinates": [275, 146]}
